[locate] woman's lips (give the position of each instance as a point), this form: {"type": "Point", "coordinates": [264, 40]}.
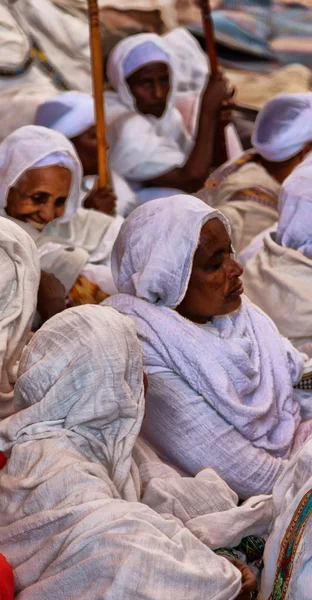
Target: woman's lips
{"type": "Point", "coordinates": [236, 291]}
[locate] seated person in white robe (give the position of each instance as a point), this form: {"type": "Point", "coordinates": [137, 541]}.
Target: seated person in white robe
{"type": "Point", "coordinates": [246, 189]}
{"type": "Point", "coordinates": [72, 113]}
{"type": "Point", "coordinates": [40, 181]}
{"type": "Point", "coordinates": [222, 381]}
{"type": "Point", "coordinates": [150, 145]}
{"type": "Point", "coordinates": [86, 509]}
{"type": "Point", "coordinates": [278, 277]}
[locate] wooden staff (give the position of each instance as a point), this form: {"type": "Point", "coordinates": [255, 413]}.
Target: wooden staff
{"type": "Point", "coordinates": [209, 36]}
{"type": "Point", "coordinates": [98, 91]}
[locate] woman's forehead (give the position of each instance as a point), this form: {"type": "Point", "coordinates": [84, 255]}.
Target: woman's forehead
{"type": "Point", "coordinates": [213, 237]}
{"type": "Point", "coordinates": [50, 173]}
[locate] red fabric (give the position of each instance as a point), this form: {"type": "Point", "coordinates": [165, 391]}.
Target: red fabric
{"type": "Point", "coordinates": [3, 460]}
{"type": "Point", "coordinates": [6, 580]}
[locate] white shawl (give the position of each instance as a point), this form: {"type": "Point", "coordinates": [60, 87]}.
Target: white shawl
{"type": "Point", "coordinates": [246, 371]}
{"type": "Point", "coordinates": [142, 146]}
{"type": "Point", "coordinates": [20, 276]}
{"type": "Point", "coordinates": [70, 521]}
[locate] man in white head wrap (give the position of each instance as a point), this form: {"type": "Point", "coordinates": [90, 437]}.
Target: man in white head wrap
{"type": "Point", "coordinates": [40, 180]}
{"type": "Point", "coordinates": [20, 274]}
{"type": "Point", "coordinates": [150, 146]}
{"type": "Point", "coordinates": [246, 190]}
{"type": "Point", "coordinates": [222, 381]}
{"type": "Point", "coordinates": [86, 510]}
{"type": "Point", "coordinates": [72, 113]}
{"type": "Point", "coordinates": [278, 275]}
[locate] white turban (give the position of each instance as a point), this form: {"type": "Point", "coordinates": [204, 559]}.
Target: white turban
{"type": "Point", "coordinates": [70, 113]}
{"type": "Point", "coordinates": [283, 126]}
{"type": "Point", "coordinates": [20, 274]}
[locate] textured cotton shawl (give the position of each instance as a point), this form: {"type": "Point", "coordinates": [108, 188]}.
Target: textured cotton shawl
{"type": "Point", "coordinates": [20, 276]}
{"type": "Point", "coordinates": [70, 521]}
{"type": "Point", "coordinates": [246, 371]}
{"type": "Point", "coordinates": [143, 146]}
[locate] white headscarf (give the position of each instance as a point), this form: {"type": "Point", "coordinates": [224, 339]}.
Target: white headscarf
{"type": "Point", "coordinates": [20, 274]}
{"type": "Point", "coordinates": [142, 146]}
{"type": "Point", "coordinates": [27, 148]}
{"type": "Point", "coordinates": [295, 206]}
{"type": "Point", "coordinates": [246, 371]}
{"type": "Point", "coordinates": [78, 377]}
{"type": "Point", "coordinates": [70, 113]}
{"type": "Point", "coordinates": [283, 126]}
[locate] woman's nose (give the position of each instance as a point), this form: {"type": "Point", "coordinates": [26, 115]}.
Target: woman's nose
{"type": "Point", "coordinates": [234, 269]}
{"type": "Point", "coordinates": [47, 212]}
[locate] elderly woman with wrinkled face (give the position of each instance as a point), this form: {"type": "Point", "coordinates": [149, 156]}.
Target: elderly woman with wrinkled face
{"type": "Point", "coordinates": [40, 177]}
{"type": "Point", "coordinates": [224, 386]}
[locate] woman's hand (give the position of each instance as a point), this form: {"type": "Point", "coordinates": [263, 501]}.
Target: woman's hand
{"type": "Point", "coordinates": [102, 199]}
{"type": "Point", "coordinates": [249, 579]}
{"type": "Point", "coordinates": [217, 93]}
{"type": "Point", "coordinates": [51, 296]}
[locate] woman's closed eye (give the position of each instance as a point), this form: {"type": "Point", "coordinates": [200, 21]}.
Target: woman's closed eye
{"type": "Point", "coordinates": [40, 198]}
{"type": "Point", "coordinates": [60, 201]}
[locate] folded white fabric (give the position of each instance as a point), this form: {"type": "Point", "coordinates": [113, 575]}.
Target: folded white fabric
{"type": "Point", "coordinates": [295, 207]}
{"type": "Point", "coordinates": [70, 113]}
{"type": "Point", "coordinates": [20, 274]}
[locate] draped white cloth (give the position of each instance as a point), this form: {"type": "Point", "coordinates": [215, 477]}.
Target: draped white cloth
{"type": "Point", "coordinates": [244, 369]}
{"type": "Point", "coordinates": [283, 126]}
{"type": "Point", "coordinates": [292, 526]}
{"type": "Point", "coordinates": [143, 146]}
{"type": "Point", "coordinates": [71, 523]}
{"type": "Point", "coordinates": [20, 274]}
{"type": "Point", "coordinates": [295, 208]}
{"type": "Point", "coordinates": [278, 280]}
{"type": "Point", "coordinates": [78, 237]}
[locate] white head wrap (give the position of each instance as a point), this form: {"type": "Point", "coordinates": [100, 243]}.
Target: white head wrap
{"type": "Point", "coordinates": [132, 53]}
{"type": "Point", "coordinates": [160, 276]}
{"type": "Point", "coordinates": [79, 376]}
{"type": "Point", "coordinates": [295, 206]}
{"type": "Point", "coordinates": [32, 146]}
{"type": "Point", "coordinates": [283, 126]}
{"type": "Point", "coordinates": [20, 274]}
{"type": "Point", "coordinates": [70, 113]}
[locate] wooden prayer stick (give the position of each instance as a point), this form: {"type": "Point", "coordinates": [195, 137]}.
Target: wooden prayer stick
{"type": "Point", "coordinates": [209, 36]}
{"type": "Point", "coordinates": [98, 91]}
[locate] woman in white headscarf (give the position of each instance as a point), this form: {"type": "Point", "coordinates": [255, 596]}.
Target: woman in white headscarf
{"type": "Point", "coordinates": [220, 376]}
{"type": "Point", "coordinates": [40, 178]}
{"type": "Point", "coordinates": [278, 277]}
{"type": "Point", "coordinates": [20, 274]}
{"type": "Point", "coordinates": [246, 190]}
{"type": "Point", "coordinates": [85, 510]}
{"type": "Point", "coordinates": [150, 146]}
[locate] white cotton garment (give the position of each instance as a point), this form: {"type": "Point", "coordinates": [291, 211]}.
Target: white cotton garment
{"type": "Point", "coordinates": [295, 207]}
{"type": "Point", "coordinates": [283, 126]}
{"type": "Point", "coordinates": [83, 236]}
{"type": "Point", "coordinates": [20, 275]}
{"type": "Point", "coordinates": [290, 542]}
{"type": "Point", "coordinates": [247, 372]}
{"type": "Point", "coordinates": [71, 521]}
{"type": "Point", "coordinates": [143, 146]}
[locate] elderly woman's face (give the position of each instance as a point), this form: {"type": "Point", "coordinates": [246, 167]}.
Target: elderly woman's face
{"type": "Point", "coordinates": [39, 196]}
{"type": "Point", "coordinates": [214, 287]}
{"type": "Point", "coordinates": [150, 87]}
